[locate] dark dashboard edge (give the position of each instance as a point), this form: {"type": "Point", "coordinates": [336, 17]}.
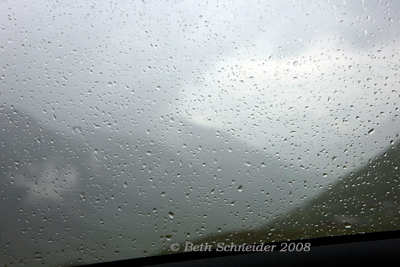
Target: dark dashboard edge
{"type": "Point", "coordinates": [323, 242]}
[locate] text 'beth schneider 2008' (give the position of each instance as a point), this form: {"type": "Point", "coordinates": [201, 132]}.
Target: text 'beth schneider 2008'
{"type": "Point", "coordinates": [222, 247]}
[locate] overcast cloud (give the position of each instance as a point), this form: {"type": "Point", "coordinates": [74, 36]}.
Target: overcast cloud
{"type": "Point", "coordinates": [298, 78]}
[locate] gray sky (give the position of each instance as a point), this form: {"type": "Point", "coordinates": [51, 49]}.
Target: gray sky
{"type": "Point", "coordinates": [307, 80]}
{"type": "Point", "coordinates": [312, 83]}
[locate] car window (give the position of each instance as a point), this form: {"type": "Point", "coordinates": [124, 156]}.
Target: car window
{"type": "Point", "coordinates": [130, 129]}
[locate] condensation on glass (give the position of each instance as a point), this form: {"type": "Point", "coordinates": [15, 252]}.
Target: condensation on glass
{"type": "Point", "coordinates": [126, 127]}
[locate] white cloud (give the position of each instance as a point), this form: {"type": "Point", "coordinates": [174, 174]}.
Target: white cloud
{"type": "Point", "coordinates": [326, 95]}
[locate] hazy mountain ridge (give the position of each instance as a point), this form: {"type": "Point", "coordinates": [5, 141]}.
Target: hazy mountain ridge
{"type": "Point", "coordinates": [364, 201]}
{"type": "Point", "coordinates": [41, 174]}
{"type": "Point", "coordinates": [113, 195]}
{"type": "Point", "coordinates": [129, 191]}
{"type": "Point", "coordinates": [194, 164]}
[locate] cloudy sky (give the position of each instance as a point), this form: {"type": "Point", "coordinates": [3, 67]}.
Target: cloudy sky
{"type": "Point", "coordinates": [302, 79]}
{"type": "Point", "coordinates": [313, 83]}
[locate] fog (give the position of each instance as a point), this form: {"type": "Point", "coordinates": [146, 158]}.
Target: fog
{"type": "Point", "coordinates": [300, 93]}
{"type": "Point", "coordinates": [319, 76]}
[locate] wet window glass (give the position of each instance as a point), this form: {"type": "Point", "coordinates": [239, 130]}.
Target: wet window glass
{"type": "Point", "coordinates": [130, 129]}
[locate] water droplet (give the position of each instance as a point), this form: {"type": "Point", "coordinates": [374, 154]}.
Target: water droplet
{"type": "Point", "coordinates": [171, 214]}
{"type": "Point", "coordinates": [371, 131]}
{"type": "Point", "coordinates": [295, 63]}
{"type": "Point", "coordinates": [38, 256]}
{"type": "Point", "coordinates": [271, 58]}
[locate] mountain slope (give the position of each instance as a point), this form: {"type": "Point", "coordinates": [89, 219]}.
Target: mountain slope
{"type": "Point", "coordinates": [366, 200]}
{"type": "Point", "coordinates": [98, 195]}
